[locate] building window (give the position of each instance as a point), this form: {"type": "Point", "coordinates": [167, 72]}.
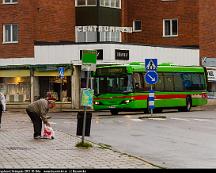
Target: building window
{"type": "Point", "coordinates": [110, 36]}
{"type": "Point", "coordinates": [111, 3]}
{"type": "Point", "coordinates": [10, 1]}
{"type": "Point", "coordinates": [86, 37]}
{"type": "Point", "coordinates": [170, 27]}
{"type": "Point", "coordinates": [79, 3]}
{"type": "Point", "coordinates": [137, 25]}
{"type": "Point", "coordinates": [10, 33]}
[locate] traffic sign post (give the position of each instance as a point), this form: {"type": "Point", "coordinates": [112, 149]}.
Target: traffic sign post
{"type": "Point", "coordinates": [89, 58]}
{"type": "Point", "coordinates": [151, 100]}
{"type": "Point", "coordinates": [151, 77]}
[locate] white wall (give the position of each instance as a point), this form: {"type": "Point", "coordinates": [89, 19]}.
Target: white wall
{"type": "Point", "coordinates": [70, 54]}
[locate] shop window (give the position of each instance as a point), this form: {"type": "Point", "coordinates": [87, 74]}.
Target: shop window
{"type": "Point", "coordinates": [16, 89]}
{"type": "Point", "coordinates": [55, 88]}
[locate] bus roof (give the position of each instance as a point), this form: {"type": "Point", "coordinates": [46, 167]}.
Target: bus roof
{"type": "Point", "coordinates": [164, 67]}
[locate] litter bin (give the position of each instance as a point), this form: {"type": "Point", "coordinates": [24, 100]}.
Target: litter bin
{"type": "Point", "coordinates": [80, 118]}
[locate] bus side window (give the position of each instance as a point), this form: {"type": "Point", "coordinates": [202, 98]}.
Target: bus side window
{"type": "Point", "coordinates": [159, 86]}
{"type": "Point", "coordinates": [138, 81]}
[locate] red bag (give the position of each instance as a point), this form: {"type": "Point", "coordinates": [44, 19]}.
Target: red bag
{"type": "Point", "coordinates": [48, 132]}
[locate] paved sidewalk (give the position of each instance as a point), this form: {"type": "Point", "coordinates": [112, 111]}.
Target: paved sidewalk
{"type": "Point", "coordinates": [18, 149]}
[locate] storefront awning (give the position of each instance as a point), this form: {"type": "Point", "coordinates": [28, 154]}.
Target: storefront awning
{"type": "Point", "coordinates": [52, 73]}
{"type": "Point", "coordinates": [14, 73]}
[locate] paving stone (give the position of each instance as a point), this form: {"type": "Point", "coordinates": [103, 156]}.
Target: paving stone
{"type": "Point", "coordinates": [18, 149]}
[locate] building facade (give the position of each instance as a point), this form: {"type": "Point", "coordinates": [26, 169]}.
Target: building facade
{"type": "Point", "coordinates": [40, 36]}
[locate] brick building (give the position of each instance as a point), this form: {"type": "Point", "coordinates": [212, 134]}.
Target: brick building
{"type": "Point", "coordinates": [36, 20]}
{"type": "Point", "coordinates": [26, 25]}
{"type": "Point", "coordinates": [153, 13]}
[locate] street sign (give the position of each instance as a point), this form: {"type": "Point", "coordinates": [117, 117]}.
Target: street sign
{"type": "Point", "coordinates": [151, 64]}
{"type": "Point", "coordinates": [61, 72]}
{"type": "Point", "coordinates": [88, 67]}
{"type": "Point", "coordinates": [89, 57]}
{"type": "Point", "coordinates": [151, 77]}
{"type": "Point", "coordinates": [87, 97]}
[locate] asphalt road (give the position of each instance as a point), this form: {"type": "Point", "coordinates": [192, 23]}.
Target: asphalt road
{"type": "Point", "coordinates": [181, 140]}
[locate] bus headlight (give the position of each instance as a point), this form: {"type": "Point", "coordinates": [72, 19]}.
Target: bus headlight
{"type": "Point", "coordinates": [96, 103]}
{"type": "Point", "coordinates": [126, 101]}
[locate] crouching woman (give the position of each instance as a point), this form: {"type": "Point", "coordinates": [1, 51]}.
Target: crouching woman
{"type": "Point", "coordinates": [37, 112]}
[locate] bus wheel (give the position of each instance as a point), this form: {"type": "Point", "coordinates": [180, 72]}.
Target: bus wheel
{"type": "Point", "coordinates": [146, 111]}
{"type": "Point", "coordinates": [114, 112]}
{"type": "Point", "coordinates": [188, 106]}
{"type": "Point", "coordinates": [158, 110]}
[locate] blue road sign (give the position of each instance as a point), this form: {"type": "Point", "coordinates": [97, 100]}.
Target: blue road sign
{"type": "Point", "coordinates": [151, 77]}
{"type": "Point", "coordinates": [151, 64]}
{"type": "Point", "coordinates": [61, 72]}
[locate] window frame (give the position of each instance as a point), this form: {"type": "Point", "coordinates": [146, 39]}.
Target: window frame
{"type": "Point", "coordinates": [111, 37]}
{"type": "Point", "coordinates": [170, 27]}
{"type": "Point", "coordinates": [103, 3]}
{"type": "Point", "coordinates": [11, 2]}
{"type": "Point", "coordinates": [86, 4]}
{"type": "Point", "coordinates": [134, 25]}
{"type": "Point", "coordinates": [11, 34]}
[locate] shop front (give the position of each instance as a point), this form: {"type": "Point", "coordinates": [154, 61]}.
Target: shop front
{"type": "Point", "coordinates": [15, 85]}
{"type": "Point", "coordinates": [48, 83]}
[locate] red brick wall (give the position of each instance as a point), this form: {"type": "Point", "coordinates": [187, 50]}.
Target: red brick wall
{"type": "Point", "coordinates": [152, 13]}
{"type": "Point", "coordinates": [38, 20]}
{"type": "Point", "coordinates": [55, 20]}
{"type": "Point", "coordinates": [207, 19]}
{"type": "Point", "coordinates": [20, 14]}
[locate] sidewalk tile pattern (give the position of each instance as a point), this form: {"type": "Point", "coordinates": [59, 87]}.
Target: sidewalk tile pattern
{"type": "Point", "coordinates": [18, 149]}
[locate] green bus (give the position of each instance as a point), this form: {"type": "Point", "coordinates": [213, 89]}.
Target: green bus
{"type": "Point", "coordinates": [123, 88]}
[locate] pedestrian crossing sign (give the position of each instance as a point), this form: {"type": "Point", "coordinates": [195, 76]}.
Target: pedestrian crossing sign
{"type": "Point", "coordinates": [151, 64]}
{"type": "Point", "coordinates": [61, 72]}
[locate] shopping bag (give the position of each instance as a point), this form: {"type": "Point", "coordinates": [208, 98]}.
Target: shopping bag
{"type": "Point", "coordinates": [48, 132]}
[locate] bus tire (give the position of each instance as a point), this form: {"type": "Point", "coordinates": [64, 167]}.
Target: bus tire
{"type": "Point", "coordinates": [114, 112]}
{"type": "Point", "coordinates": [188, 106]}
{"type": "Point", "coordinates": [158, 110]}
{"type": "Point", "coordinates": [146, 111]}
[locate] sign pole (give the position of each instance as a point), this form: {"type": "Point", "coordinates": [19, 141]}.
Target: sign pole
{"type": "Point", "coordinates": [151, 77]}
{"type": "Point", "coordinates": [151, 106]}
{"type": "Point", "coordinates": [89, 58]}
{"type": "Point", "coordinates": [85, 109]}
{"type": "Point", "coordinates": [61, 94]}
